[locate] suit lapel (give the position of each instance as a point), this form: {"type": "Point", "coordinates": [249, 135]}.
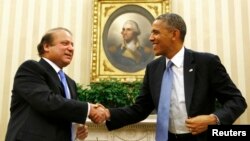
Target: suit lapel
{"type": "Point", "coordinates": [54, 76]}
{"type": "Point", "coordinates": [158, 76]}
{"type": "Point", "coordinates": [189, 77]}
{"type": "Point", "coordinates": [57, 81]}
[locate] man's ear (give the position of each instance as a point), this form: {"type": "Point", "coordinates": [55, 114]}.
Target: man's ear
{"type": "Point", "coordinates": [176, 34]}
{"type": "Point", "coordinates": [46, 47]}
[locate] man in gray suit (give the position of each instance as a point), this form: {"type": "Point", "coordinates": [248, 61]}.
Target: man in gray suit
{"type": "Point", "coordinates": [198, 80]}
{"type": "Point", "coordinates": [40, 110]}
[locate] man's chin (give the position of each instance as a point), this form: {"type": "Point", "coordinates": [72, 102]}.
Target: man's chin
{"type": "Point", "coordinates": [67, 59]}
{"type": "Point", "coordinates": [66, 62]}
{"type": "Point", "coordinates": [157, 53]}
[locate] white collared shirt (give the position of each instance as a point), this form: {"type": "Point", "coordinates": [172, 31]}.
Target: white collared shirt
{"type": "Point", "coordinates": [178, 111]}
{"type": "Point", "coordinates": [131, 45]}
{"type": "Point", "coordinates": [53, 65]}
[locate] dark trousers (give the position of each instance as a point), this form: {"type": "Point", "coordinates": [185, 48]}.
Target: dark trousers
{"type": "Point", "coordinates": [181, 137]}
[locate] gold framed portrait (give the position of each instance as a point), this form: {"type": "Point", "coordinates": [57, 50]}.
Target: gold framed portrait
{"type": "Point", "coordinates": [121, 48]}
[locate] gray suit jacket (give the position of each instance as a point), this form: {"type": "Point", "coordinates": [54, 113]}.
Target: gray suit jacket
{"type": "Point", "coordinates": [39, 111]}
{"type": "Point", "coordinates": [208, 81]}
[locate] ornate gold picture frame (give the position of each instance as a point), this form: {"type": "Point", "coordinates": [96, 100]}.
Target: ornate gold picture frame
{"type": "Point", "coordinates": [115, 23]}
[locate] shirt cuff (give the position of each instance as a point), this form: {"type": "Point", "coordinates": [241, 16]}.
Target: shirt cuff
{"type": "Point", "coordinates": [217, 119]}
{"type": "Point", "coordinates": [88, 110]}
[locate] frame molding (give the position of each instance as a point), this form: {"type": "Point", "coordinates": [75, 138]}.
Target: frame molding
{"type": "Point", "coordinates": [108, 18]}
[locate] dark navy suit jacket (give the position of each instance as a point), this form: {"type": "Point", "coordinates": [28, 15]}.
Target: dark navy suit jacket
{"type": "Point", "coordinates": [205, 79]}
{"type": "Point", "coordinates": [39, 110]}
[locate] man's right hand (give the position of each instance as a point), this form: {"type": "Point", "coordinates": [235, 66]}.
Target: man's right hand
{"type": "Point", "coordinates": [98, 113]}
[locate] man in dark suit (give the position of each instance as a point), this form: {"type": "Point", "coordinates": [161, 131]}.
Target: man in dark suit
{"type": "Point", "coordinates": [40, 110]}
{"type": "Point", "coordinates": [198, 80]}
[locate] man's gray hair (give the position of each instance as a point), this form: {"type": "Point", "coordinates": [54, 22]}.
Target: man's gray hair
{"type": "Point", "coordinates": [174, 21]}
{"type": "Point", "coordinates": [134, 25]}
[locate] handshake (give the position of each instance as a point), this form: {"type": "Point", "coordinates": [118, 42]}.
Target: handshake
{"type": "Point", "coordinates": [98, 113]}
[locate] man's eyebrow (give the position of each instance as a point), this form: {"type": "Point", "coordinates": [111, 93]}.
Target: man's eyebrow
{"type": "Point", "coordinates": [155, 31]}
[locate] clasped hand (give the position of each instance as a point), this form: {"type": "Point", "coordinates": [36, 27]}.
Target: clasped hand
{"type": "Point", "coordinates": [98, 113]}
{"type": "Point", "coordinates": [199, 124]}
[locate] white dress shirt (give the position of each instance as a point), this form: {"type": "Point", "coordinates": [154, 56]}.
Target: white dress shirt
{"type": "Point", "coordinates": [178, 111]}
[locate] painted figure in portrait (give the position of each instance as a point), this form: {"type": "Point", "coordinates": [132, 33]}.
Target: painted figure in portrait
{"type": "Point", "coordinates": [130, 50]}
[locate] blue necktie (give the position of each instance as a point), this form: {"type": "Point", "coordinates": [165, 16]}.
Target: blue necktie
{"type": "Point", "coordinates": [67, 94]}
{"type": "Point", "coordinates": [164, 104]}
{"type": "Point", "coordinates": [65, 84]}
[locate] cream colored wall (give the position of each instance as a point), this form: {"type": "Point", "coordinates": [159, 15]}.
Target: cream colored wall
{"type": "Point", "coordinates": [221, 27]}
{"type": "Point", "coordinates": [216, 26]}
{"type": "Point", "coordinates": [22, 24]}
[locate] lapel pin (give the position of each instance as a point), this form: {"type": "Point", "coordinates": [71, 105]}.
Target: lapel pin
{"type": "Point", "coordinates": [190, 70]}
